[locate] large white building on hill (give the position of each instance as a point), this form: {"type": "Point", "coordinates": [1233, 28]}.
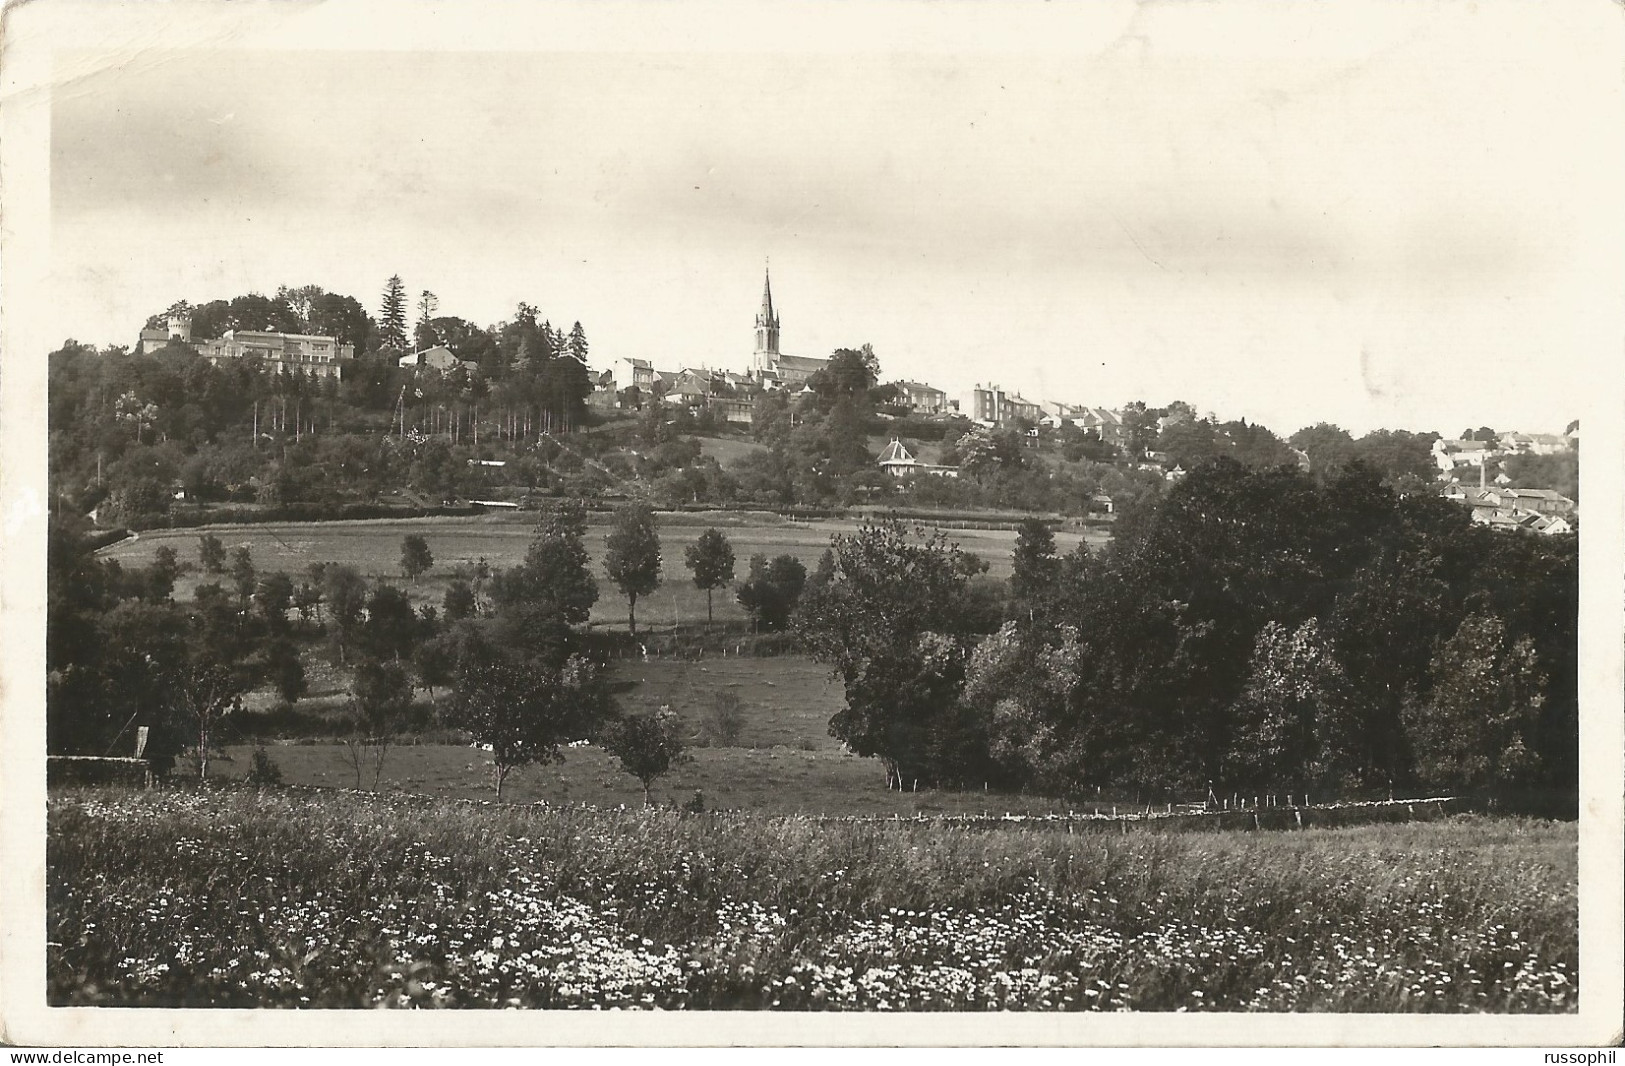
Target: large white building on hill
{"type": "Point", "coordinates": [281, 353]}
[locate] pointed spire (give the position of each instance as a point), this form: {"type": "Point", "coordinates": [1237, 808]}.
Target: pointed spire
{"type": "Point", "coordinates": [767, 295]}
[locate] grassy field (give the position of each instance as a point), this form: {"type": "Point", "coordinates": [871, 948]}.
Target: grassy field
{"type": "Point", "coordinates": [783, 761]}
{"type": "Point", "coordinates": [238, 897]}
{"type": "Point", "coordinates": [726, 449]}
{"type": "Point", "coordinates": [374, 548]}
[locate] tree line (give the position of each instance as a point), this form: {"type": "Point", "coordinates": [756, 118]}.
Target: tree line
{"type": "Point", "coordinates": [1251, 629]}
{"type": "Point", "coordinates": [509, 648]}
{"type": "Point", "coordinates": [1260, 630]}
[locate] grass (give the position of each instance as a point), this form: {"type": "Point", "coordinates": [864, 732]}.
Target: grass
{"type": "Point", "coordinates": [238, 897]}
{"type": "Point", "coordinates": [374, 548]}
{"type": "Point", "coordinates": [726, 449]}
{"type": "Point", "coordinates": [784, 760]}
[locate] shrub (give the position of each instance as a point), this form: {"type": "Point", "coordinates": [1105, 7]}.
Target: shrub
{"type": "Point", "coordinates": [263, 770]}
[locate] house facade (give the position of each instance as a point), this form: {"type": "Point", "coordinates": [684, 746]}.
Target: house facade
{"type": "Point", "coordinates": [920, 397]}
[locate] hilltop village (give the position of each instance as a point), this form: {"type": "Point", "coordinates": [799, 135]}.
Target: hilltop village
{"type": "Point", "coordinates": [312, 404]}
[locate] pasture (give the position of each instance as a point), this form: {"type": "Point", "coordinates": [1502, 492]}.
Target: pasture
{"type": "Point", "coordinates": [313, 898]}
{"type": "Point", "coordinates": [374, 548]}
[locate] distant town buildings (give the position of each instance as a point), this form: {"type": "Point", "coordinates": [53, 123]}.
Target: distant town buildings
{"type": "Point", "coordinates": [281, 353]}
{"type": "Point", "coordinates": [992, 406]}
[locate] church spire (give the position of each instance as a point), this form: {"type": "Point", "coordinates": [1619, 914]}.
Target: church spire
{"type": "Point", "coordinates": [766, 317]}
{"type": "Point", "coordinates": [767, 329]}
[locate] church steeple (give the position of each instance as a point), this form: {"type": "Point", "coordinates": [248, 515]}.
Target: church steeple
{"type": "Point", "coordinates": [767, 300]}
{"type": "Point", "coordinates": [767, 328]}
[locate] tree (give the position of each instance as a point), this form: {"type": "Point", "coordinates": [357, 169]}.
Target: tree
{"type": "Point", "coordinates": [211, 554]}
{"type": "Point", "coordinates": [163, 571]}
{"type": "Point", "coordinates": [459, 602]}
{"type": "Point", "coordinates": [1289, 720]}
{"type": "Point", "coordinates": [273, 597]}
{"type": "Point", "coordinates": [243, 577]}
{"type": "Point", "coordinates": [340, 317]}
{"type": "Point", "coordinates": [307, 600]}
{"type": "Point", "coordinates": [1329, 447]}
{"type": "Point", "coordinates": [1023, 681]}
{"type": "Point", "coordinates": [424, 332]}
{"type": "Point", "coordinates": [772, 590]}
{"type": "Point", "coordinates": [578, 343]}
{"type": "Point", "coordinates": [392, 316]}
{"type": "Point", "coordinates": [524, 709]}
{"type": "Point", "coordinates": [553, 588]}
{"type": "Point", "coordinates": [392, 627]}
{"type": "Point", "coordinates": [1477, 729]}
{"type": "Point", "coordinates": [983, 450]}
{"type": "Point", "coordinates": [435, 661]}
{"type": "Point", "coordinates": [890, 625]}
{"type": "Point", "coordinates": [380, 698]}
{"type": "Point", "coordinates": [416, 558]}
{"type": "Point", "coordinates": [1140, 427]}
{"type": "Point", "coordinates": [823, 572]}
{"type": "Point", "coordinates": [850, 372]}
{"type": "Point", "coordinates": [1397, 453]}
{"type": "Point", "coordinates": [281, 664]}
{"type": "Point", "coordinates": [632, 557]}
{"type": "Point", "coordinates": [647, 745]}
{"type": "Point", "coordinates": [1035, 566]}
{"type": "Point", "coordinates": [346, 595]}
{"type": "Point", "coordinates": [711, 558]}
{"type": "Point", "coordinates": [206, 681]}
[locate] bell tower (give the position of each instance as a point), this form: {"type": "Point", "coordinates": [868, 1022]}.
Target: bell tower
{"type": "Point", "coordinates": [767, 330]}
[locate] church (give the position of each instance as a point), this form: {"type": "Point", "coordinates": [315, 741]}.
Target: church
{"type": "Point", "coordinates": [769, 365]}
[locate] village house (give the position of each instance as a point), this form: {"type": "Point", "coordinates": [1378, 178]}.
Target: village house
{"type": "Point", "coordinates": [1534, 443]}
{"type": "Point", "coordinates": [920, 397]}
{"type": "Point", "coordinates": [1448, 455]}
{"type": "Point", "coordinates": [629, 371]}
{"type": "Point", "coordinates": [898, 461]}
{"type": "Point", "coordinates": [439, 358]}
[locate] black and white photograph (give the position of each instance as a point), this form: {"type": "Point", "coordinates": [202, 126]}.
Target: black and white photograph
{"type": "Point", "coordinates": [873, 524]}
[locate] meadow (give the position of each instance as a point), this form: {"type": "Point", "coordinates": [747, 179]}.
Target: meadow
{"type": "Point", "coordinates": [237, 897]}
{"type": "Point", "coordinates": [374, 548]}
{"type": "Point", "coordinates": [783, 759]}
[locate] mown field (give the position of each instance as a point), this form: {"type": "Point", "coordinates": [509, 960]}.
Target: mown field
{"type": "Point", "coordinates": [287, 897]}
{"type": "Point", "coordinates": [374, 548]}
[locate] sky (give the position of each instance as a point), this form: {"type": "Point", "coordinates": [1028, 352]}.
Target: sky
{"type": "Point", "coordinates": [1398, 216]}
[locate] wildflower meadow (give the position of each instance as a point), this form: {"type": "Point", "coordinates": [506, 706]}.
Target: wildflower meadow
{"type": "Point", "coordinates": [237, 897]}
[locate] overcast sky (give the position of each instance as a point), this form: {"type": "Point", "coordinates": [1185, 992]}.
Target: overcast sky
{"type": "Point", "coordinates": [1384, 215]}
